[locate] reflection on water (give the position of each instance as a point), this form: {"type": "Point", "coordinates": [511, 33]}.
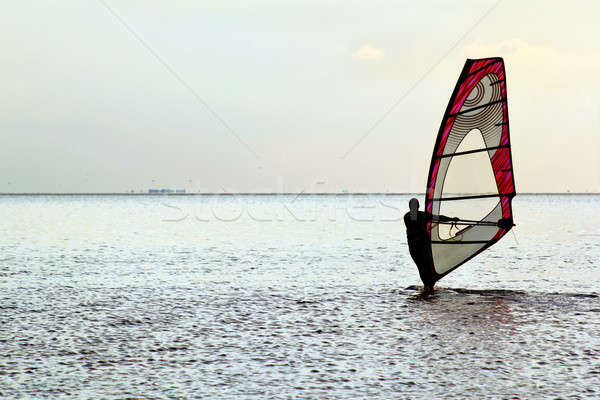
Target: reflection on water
{"type": "Point", "coordinates": [114, 302]}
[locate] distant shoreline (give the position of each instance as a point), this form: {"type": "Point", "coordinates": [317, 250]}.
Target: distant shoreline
{"type": "Point", "coordinates": [270, 194]}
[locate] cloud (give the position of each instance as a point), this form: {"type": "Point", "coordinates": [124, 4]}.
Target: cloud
{"type": "Point", "coordinates": [542, 67]}
{"type": "Point", "coordinates": [368, 52]}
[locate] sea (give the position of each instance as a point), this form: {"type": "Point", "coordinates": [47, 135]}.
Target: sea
{"type": "Point", "coordinates": [292, 296]}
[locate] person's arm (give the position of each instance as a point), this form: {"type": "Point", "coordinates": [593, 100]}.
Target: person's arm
{"type": "Point", "coordinates": [425, 216]}
{"type": "Point", "coordinates": [443, 218]}
{"type": "Point", "coordinates": [437, 218]}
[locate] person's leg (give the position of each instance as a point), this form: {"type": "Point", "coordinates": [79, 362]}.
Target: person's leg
{"type": "Point", "coordinates": [428, 262]}
{"type": "Point", "coordinates": [427, 288]}
{"type": "Point", "coordinates": [421, 255]}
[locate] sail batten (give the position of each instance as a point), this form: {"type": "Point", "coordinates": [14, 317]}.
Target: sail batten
{"type": "Point", "coordinates": [462, 153]}
{"type": "Point", "coordinates": [476, 196]}
{"type": "Point", "coordinates": [478, 108]}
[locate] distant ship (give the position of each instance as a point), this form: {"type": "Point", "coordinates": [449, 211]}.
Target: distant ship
{"type": "Point", "coordinates": [163, 191]}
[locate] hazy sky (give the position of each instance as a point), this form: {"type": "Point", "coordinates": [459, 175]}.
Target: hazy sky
{"type": "Point", "coordinates": [254, 96]}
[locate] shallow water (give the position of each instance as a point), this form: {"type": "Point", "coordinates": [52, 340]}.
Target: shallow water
{"type": "Point", "coordinates": [289, 297]}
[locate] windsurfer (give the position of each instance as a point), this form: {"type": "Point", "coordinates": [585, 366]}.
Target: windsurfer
{"type": "Point", "coordinates": [418, 241]}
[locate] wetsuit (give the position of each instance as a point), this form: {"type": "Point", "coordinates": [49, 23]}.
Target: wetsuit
{"type": "Point", "coordinates": [419, 244]}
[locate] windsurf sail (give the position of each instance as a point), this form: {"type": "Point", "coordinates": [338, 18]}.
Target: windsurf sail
{"type": "Point", "coordinates": [471, 172]}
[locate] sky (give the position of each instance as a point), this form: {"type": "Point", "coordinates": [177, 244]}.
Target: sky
{"type": "Point", "coordinates": [284, 96]}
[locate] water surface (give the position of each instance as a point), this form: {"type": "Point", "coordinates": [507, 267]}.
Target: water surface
{"type": "Point", "coordinates": [289, 297]}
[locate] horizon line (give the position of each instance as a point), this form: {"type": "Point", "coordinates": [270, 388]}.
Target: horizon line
{"type": "Point", "coordinates": [253, 193]}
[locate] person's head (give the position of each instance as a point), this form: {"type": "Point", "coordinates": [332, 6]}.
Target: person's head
{"type": "Point", "coordinates": [413, 205]}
